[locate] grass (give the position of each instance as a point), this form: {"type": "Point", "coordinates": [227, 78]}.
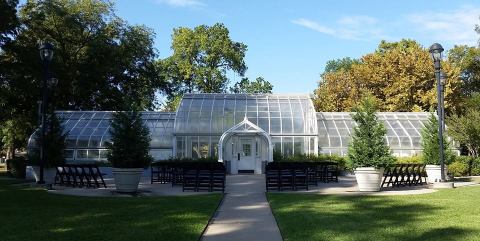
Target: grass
{"type": "Point", "coordinates": [444, 215]}
{"type": "Point", "coordinates": [27, 213]}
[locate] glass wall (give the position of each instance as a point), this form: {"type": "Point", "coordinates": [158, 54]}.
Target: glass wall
{"type": "Point", "coordinates": [403, 131]}
{"type": "Point", "coordinates": [202, 118]}
{"type": "Point", "coordinates": [88, 134]}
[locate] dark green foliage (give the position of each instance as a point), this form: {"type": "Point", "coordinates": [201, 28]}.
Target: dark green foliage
{"type": "Point", "coordinates": [312, 158]}
{"type": "Point", "coordinates": [55, 139]}
{"type": "Point", "coordinates": [17, 167]}
{"type": "Point", "coordinates": [340, 64]}
{"type": "Point", "coordinates": [130, 141]}
{"type": "Point", "coordinates": [367, 147]}
{"type": "Point", "coordinates": [465, 128]}
{"type": "Point", "coordinates": [465, 166]}
{"type": "Point", "coordinates": [201, 58]}
{"type": "Point", "coordinates": [431, 146]}
{"type": "Point", "coordinates": [245, 86]}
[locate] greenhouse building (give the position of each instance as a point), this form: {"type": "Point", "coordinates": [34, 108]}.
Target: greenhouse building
{"type": "Point", "coordinates": [243, 130]}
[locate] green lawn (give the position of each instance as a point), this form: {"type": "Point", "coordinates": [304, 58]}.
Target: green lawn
{"type": "Point", "coordinates": [33, 214]}
{"type": "Point", "coordinates": [444, 215]}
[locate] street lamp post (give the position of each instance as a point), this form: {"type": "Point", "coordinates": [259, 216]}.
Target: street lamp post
{"type": "Point", "coordinates": [436, 51]}
{"type": "Point", "coordinates": [46, 55]}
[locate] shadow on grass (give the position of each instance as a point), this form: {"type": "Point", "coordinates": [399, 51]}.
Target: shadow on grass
{"type": "Point", "coordinates": [316, 217]}
{"type": "Point", "coordinates": [31, 213]}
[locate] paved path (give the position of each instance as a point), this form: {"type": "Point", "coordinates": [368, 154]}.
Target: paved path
{"type": "Point", "coordinates": [244, 213]}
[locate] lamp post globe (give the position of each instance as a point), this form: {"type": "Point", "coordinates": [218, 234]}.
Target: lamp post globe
{"type": "Point", "coordinates": [46, 52]}
{"type": "Point", "coordinates": [436, 51]}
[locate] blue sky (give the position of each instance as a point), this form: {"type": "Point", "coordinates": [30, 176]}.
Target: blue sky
{"type": "Point", "coordinates": [289, 42]}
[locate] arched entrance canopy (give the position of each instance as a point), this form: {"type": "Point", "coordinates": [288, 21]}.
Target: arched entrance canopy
{"type": "Point", "coordinates": [245, 127]}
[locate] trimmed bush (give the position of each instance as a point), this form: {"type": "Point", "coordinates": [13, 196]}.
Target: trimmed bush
{"type": "Point", "coordinates": [17, 167]}
{"type": "Point", "coordinates": [409, 160]}
{"type": "Point", "coordinates": [313, 158]}
{"type": "Point", "coordinates": [367, 147]}
{"type": "Point", "coordinates": [130, 141]}
{"type": "Point", "coordinates": [458, 169]}
{"type": "Point", "coordinates": [430, 143]}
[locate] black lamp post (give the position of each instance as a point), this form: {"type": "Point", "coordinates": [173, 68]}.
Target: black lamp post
{"type": "Point", "coordinates": [436, 51]}
{"type": "Point", "coordinates": [46, 55]}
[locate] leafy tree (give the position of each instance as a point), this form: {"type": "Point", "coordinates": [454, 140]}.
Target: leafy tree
{"type": "Point", "coordinates": [8, 20]}
{"type": "Point", "coordinates": [340, 64]}
{"type": "Point", "coordinates": [467, 59]}
{"type": "Point", "coordinates": [172, 103]}
{"type": "Point", "coordinates": [430, 145]}
{"type": "Point", "coordinates": [400, 75]}
{"type": "Point", "coordinates": [55, 139]}
{"type": "Point", "coordinates": [259, 86]}
{"type": "Point", "coordinates": [101, 62]}
{"type": "Point", "coordinates": [202, 56]}
{"type": "Point", "coordinates": [130, 141]}
{"type": "Point", "coordinates": [367, 147]}
{"type": "Point", "coordinates": [465, 128]}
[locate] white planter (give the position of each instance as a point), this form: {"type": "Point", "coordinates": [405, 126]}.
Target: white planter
{"type": "Point", "coordinates": [369, 179]}
{"type": "Point", "coordinates": [48, 174]}
{"type": "Point", "coordinates": [434, 173]}
{"type": "Point", "coordinates": [127, 179]}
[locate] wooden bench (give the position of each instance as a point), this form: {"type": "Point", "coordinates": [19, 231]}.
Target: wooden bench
{"type": "Point", "coordinates": [79, 175]}
{"type": "Point", "coordinates": [405, 174]}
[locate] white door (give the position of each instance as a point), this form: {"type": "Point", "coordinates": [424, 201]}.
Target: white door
{"type": "Point", "coordinates": [246, 154]}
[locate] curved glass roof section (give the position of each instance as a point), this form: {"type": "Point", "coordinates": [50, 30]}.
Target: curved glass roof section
{"type": "Point", "coordinates": [403, 131]}
{"type": "Point", "coordinates": [89, 129]}
{"type": "Point", "coordinates": [277, 114]}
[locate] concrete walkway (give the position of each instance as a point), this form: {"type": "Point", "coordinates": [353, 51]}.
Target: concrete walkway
{"type": "Point", "coordinates": [244, 214]}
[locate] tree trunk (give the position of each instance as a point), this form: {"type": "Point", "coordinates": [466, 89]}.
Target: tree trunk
{"type": "Point", "coordinates": [10, 152]}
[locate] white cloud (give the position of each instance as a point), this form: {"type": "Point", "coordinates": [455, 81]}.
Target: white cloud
{"type": "Point", "coordinates": [455, 26]}
{"type": "Point", "coordinates": [182, 3]}
{"type": "Point", "coordinates": [359, 27]}
{"type": "Point", "coordinates": [314, 26]}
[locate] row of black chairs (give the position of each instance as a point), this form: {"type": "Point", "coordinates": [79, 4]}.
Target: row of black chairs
{"type": "Point", "coordinates": [405, 175]}
{"type": "Point", "coordinates": [193, 176]}
{"type": "Point", "coordinates": [299, 175]}
{"type": "Point", "coordinates": [79, 175]}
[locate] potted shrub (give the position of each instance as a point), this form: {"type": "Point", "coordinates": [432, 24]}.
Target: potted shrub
{"type": "Point", "coordinates": [368, 154]}
{"type": "Point", "coordinates": [55, 139]}
{"type": "Point", "coordinates": [431, 150]}
{"type": "Point", "coordinates": [128, 151]}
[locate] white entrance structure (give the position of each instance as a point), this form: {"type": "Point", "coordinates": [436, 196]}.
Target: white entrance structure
{"type": "Point", "coordinates": [250, 144]}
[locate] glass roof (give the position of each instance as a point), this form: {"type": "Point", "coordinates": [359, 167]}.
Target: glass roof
{"type": "Point", "coordinates": [403, 130]}
{"type": "Point", "coordinates": [277, 114]}
{"type": "Point", "coordinates": [89, 129]}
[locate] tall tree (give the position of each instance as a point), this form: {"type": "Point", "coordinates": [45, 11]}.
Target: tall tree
{"type": "Point", "coordinates": [8, 20]}
{"type": "Point", "coordinates": [259, 86]}
{"type": "Point", "coordinates": [203, 55]}
{"type": "Point", "coordinates": [431, 145]}
{"type": "Point", "coordinates": [101, 62]}
{"type": "Point", "coordinates": [467, 59]}
{"type": "Point", "coordinates": [465, 128]}
{"type": "Point", "coordinates": [399, 74]}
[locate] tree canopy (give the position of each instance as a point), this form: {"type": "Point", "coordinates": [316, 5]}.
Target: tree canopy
{"type": "Point", "coordinates": [399, 74]}
{"type": "Point", "coordinates": [201, 58]}
{"type": "Point", "coordinates": [259, 86]}
{"type": "Point", "coordinates": [101, 62]}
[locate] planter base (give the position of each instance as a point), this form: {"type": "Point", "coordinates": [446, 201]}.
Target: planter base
{"type": "Point", "coordinates": [127, 179]}
{"type": "Point", "coordinates": [369, 179]}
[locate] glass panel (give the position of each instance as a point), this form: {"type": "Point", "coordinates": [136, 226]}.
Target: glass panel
{"type": "Point", "coordinates": [81, 154]}
{"type": "Point", "coordinates": [287, 125]}
{"type": "Point", "coordinates": [204, 147]}
{"type": "Point", "coordinates": [275, 125]}
{"type": "Point", "coordinates": [287, 143]}
{"type": "Point", "coordinates": [94, 154]}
